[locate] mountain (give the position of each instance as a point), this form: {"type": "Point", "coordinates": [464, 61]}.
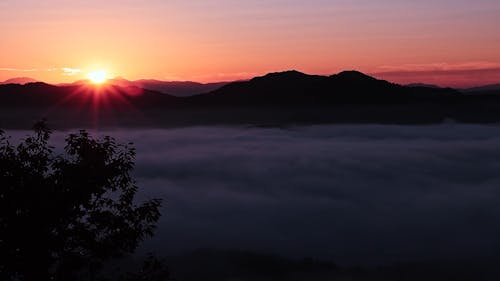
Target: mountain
{"type": "Point", "coordinates": [275, 99]}
{"type": "Point", "coordinates": [293, 87]}
{"type": "Point", "coordinates": [19, 80]}
{"type": "Point", "coordinates": [174, 88]}
{"type": "Point", "coordinates": [79, 95]}
{"type": "Point", "coordinates": [280, 88]}
{"type": "Point", "coordinates": [118, 81]}
{"type": "Point", "coordinates": [178, 88]}
{"type": "Point", "coordinates": [422, 85]}
{"type": "Point", "coordinates": [486, 88]}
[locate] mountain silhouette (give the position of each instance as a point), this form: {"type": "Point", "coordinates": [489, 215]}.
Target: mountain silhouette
{"type": "Point", "coordinates": [174, 88]}
{"type": "Point", "coordinates": [19, 80]}
{"type": "Point", "coordinates": [275, 99]}
{"type": "Point", "coordinates": [484, 89]}
{"type": "Point", "coordinates": [178, 88]}
{"type": "Point", "coordinates": [425, 85]}
{"type": "Point", "coordinates": [40, 94]}
{"type": "Point", "coordinates": [293, 87]}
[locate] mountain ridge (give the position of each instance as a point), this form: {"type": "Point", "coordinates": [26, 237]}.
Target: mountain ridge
{"type": "Point", "coordinates": [174, 88]}
{"type": "Point", "coordinates": [296, 87]}
{"type": "Point", "coordinates": [279, 98]}
{"type": "Point", "coordinates": [19, 80]}
{"type": "Point", "coordinates": [485, 88]}
{"type": "Point", "coordinates": [286, 87]}
{"type": "Point", "coordinates": [191, 88]}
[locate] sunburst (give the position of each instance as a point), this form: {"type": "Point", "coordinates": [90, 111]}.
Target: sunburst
{"type": "Point", "coordinates": [97, 76]}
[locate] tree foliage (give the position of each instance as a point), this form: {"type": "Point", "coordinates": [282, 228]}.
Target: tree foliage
{"type": "Point", "coordinates": [62, 216]}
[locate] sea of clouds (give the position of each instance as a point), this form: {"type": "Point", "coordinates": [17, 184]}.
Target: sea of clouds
{"type": "Point", "coordinates": [349, 193]}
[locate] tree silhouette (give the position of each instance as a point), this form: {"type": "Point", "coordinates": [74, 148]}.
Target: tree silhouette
{"type": "Point", "coordinates": [62, 216]}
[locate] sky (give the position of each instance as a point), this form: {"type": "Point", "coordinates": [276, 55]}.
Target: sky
{"type": "Point", "coordinates": [445, 42]}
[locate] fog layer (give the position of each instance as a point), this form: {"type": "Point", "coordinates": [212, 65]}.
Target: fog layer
{"type": "Point", "coordinates": [353, 194]}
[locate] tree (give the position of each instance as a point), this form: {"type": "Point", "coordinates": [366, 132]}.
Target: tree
{"type": "Point", "coordinates": [62, 216]}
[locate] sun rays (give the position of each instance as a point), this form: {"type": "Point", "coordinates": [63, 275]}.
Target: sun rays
{"type": "Point", "coordinates": [98, 76]}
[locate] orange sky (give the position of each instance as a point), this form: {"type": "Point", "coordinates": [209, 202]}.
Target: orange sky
{"type": "Point", "coordinates": [447, 42]}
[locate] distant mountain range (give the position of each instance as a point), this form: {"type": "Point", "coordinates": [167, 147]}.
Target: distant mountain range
{"type": "Point", "coordinates": [190, 88]}
{"type": "Point", "coordinates": [293, 87]}
{"type": "Point", "coordinates": [422, 85]}
{"type": "Point", "coordinates": [289, 87]}
{"type": "Point", "coordinates": [40, 94]}
{"type": "Point", "coordinates": [487, 88]}
{"type": "Point", "coordinates": [19, 80]}
{"type": "Point", "coordinates": [275, 98]}
{"type": "Point", "coordinates": [174, 88]}
{"type": "Point", "coordinates": [178, 88]}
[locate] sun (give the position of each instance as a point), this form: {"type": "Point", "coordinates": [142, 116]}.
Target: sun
{"type": "Point", "coordinates": [97, 76]}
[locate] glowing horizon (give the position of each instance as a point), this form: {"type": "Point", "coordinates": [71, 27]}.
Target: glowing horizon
{"type": "Point", "coordinates": [98, 76]}
{"type": "Point", "coordinates": [447, 42]}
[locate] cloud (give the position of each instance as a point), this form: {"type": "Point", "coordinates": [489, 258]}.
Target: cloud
{"type": "Point", "coordinates": [66, 71]}
{"type": "Point", "coordinates": [18, 69]}
{"type": "Point", "coordinates": [353, 194]}
{"type": "Point", "coordinates": [467, 66]}
{"type": "Point", "coordinates": [71, 71]}
{"type": "Point", "coordinates": [349, 193]}
{"type": "Point", "coordinates": [461, 75]}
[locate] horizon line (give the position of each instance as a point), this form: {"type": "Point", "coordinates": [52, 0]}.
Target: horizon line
{"type": "Point", "coordinates": [402, 75]}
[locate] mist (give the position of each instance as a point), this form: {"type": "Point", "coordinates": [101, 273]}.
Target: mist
{"type": "Point", "coordinates": [355, 194]}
